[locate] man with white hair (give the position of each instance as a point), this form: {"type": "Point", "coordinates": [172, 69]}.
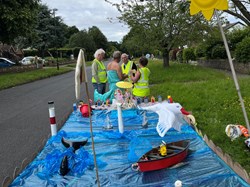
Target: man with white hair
{"type": "Point", "coordinates": [99, 74]}
{"type": "Point", "coordinates": [127, 65]}
{"type": "Point", "coordinates": [115, 75]}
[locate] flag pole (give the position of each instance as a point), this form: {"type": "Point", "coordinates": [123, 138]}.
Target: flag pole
{"type": "Point", "coordinates": [232, 70]}
{"type": "Point", "coordinates": [92, 138]}
{"type": "Point", "coordinates": [81, 76]}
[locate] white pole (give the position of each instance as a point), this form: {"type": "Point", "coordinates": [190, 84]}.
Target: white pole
{"type": "Point", "coordinates": [120, 121]}
{"type": "Point", "coordinates": [52, 118]}
{"type": "Point", "coordinates": [233, 71]}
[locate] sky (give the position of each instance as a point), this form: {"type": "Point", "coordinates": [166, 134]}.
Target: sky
{"type": "Point", "coordinates": [87, 13]}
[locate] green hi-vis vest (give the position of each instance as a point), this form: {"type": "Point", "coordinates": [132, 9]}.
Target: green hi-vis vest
{"type": "Point", "coordinates": [102, 74]}
{"type": "Point", "coordinates": [127, 68]}
{"type": "Point", "coordinates": [141, 88]}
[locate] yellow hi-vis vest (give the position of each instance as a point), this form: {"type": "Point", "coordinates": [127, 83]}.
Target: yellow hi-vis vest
{"type": "Point", "coordinates": [102, 74]}
{"type": "Point", "coordinates": [127, 68]}
{"type": "Point", "coordinates": [141, 87]}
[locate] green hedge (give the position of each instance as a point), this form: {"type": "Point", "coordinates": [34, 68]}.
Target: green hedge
{"type": "Point", "coordinates": [218, 52]}
{"type": "Point", "coordinates": [66, 53]}
{"type": "Point", "coordinates": [32, 52]}
{"type": "Point", "coordinates": [200, 51]}
{"type": "Point", "coordinates": [188, 54]}
{"type": "Point", "coordinates": [237, 36]}
{"type": "Point", "coordinates": [179, 56]}
{"type": "Point", "coordinates": [242, 51]}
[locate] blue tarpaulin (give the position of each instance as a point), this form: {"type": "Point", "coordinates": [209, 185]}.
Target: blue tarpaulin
{"type": "Point", "coordinates": [115, 153]}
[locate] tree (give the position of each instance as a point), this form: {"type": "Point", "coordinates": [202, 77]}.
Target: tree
{"type": "Point", "coordinates": [133, 43]}
{"type": "Point", "coordinates": [50, 30]}
{"type": "Point", "coordinates": [83, 40]}
{"type": "Point", "coordinates": [17, 18]}
{"type": "Point", "coordinates": [240, 10]}
{"type": "Point", "coordinates": [70, 31]}
{"type": "Point", "coordinates": [112, 46]}
{"type": "Point", "coordinates": [162, 23]}
{"type": "Point", "coordinates": [98, 37]}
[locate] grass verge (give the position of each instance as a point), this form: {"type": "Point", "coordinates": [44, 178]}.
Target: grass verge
{"type": "Point", "coordinates": [211, 96]}
{"type": "Point", "coordinates": [73, 65]}
{"type": "Point", "coordinates": [13, 79]}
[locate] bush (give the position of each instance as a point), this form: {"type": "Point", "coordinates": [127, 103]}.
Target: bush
{"type": "Point", "coordinates": [242, 53]}
{"type": "Point", "coordinates": [210, 43]}
{"type": "Point", "coordinates": [237, 36]}
{"type": "Point", "coordinates": [30, 52]}
{"type": "Point", "coordinates": [76, 51]}
{"type": "Point", "coordinates": [179, 56]}
{"type": "Point", "coordinates": [65, 52]}
{"type": "Point", "coordinates": [200, 52]}
{"type": "Point", "coordinates": [218, 51]}
{"type": "Point", "coordinates": [188, 54]}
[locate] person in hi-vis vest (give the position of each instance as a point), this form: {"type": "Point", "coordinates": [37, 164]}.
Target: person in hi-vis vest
{"type": "Point", "coordinates": [115, 75]}
{"type": "Point", "coordinates": [127, 65]}
{"type": "Point", "coordinates": [99, 74]}
{"type": "Point", "coordinates": [141, 79]}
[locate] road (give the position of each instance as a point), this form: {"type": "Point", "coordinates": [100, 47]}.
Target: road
{"type": "Point", "coordinates": [24, 117]}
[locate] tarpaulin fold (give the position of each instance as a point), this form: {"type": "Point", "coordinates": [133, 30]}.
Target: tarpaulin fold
{"type": "Point", "coordinates": [116, 153]}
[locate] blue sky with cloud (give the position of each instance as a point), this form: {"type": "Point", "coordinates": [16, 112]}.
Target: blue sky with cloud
{"type": "Point", "coordinates": [87, 13]}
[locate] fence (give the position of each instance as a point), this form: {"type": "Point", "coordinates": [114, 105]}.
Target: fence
{"type": "Point", "coordinates": [223, 64]}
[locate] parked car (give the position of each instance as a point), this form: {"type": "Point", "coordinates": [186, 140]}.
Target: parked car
{"type": "Point", "coordinates": [28, 60]}
{"type": "Point", "coordinates": [4, 62]}
{"type": "Point", "coordinates": [31, 60]}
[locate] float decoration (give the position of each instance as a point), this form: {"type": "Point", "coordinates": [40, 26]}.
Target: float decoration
{"type": "Point", "coordinates": [235, 131]}
{"type": "Point", "coordinates": [123, 84]}
{"type": "Point", "coordinates": [207, 7]}
{"type": "Point", "coordinates": [123, 95]}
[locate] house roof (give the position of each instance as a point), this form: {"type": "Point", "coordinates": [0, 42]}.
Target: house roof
{"type": "Point", "coordinates": [5, 47]}
{"type": "Point", "coordinates": [230, 25]}
{"type": "Point", "coordinates": [10, 48]}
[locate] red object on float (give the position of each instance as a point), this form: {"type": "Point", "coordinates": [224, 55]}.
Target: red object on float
{"type": "Point", "coordinates": [183, 111]}
{"type": "Point", "coordinates": [176, 152]}
{"type": "Point", "coordinates": [244, 130]}
{"type": "Point", "coordinates": [170, 99]}
{"type": "Point", "coordinates": [84, 108]}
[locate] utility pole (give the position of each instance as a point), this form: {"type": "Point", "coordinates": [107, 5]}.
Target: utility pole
{"type": "Point", "coordinates": [54, 13]}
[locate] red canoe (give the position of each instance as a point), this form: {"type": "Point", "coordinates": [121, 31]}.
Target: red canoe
{"type": "Point", "coordinates": [152, 160]}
